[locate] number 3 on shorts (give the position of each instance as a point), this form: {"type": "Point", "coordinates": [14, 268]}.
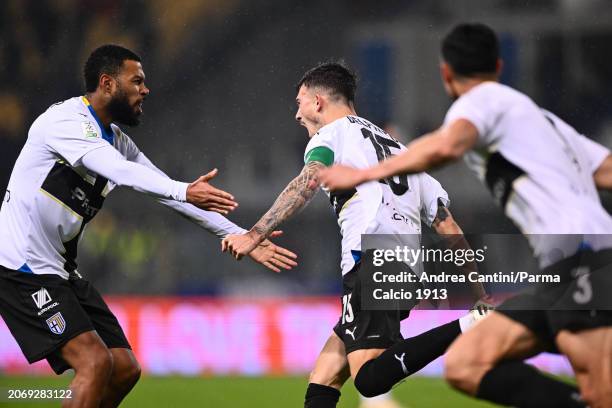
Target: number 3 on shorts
{"type": "Point", "coordinates": [584, 292]}
{"type": "Point", "coordinates": [347, 309]}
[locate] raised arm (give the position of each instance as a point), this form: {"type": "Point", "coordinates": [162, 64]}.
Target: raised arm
{"type": "Point", "coordinates": [294, 197]}
{"type": "Point", "coordinates": [432, 150]}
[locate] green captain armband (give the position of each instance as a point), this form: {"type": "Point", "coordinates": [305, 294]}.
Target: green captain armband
{"type": "Point", "coordinates": [321, 154]}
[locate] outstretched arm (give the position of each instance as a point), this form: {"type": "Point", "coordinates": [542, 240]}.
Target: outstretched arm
{"type": "Point", "coordinates": [432, 150]}
{"type": "Point", "coordinates": [207, 219]}
{"type": "Point", "coordinates": [294, 197]}
{"type": "Point", "coordinates": [107, 162]}
{"type": "Point", "coordinates": [266, 253]}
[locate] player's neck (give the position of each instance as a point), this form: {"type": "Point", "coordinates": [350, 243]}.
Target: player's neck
{"type": "Point", "coordinates": [465, 85]}
{"type": "Point", "coordinates": [100, 106]}
{"type": "Point", "coordinates": [334, 113]}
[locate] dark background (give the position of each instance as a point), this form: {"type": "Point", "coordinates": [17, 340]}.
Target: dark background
{"type": "Point", "coordinates": [222, 75]}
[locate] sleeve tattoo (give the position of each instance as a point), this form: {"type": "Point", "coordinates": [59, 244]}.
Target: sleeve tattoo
{"type": "Point", "coordinates": [294, 197]}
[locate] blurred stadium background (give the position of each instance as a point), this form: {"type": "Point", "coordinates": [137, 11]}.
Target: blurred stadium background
{"type": "Point", "coordinates": [212, 331]}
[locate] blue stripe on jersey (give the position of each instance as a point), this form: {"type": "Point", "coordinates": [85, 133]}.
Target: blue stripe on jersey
{"type": "Point", "coordinates": [107, 133]}
{"type": "Point", "coordinates": [356, 255]}
{"type": "Point", "coordinates": [25, 268]}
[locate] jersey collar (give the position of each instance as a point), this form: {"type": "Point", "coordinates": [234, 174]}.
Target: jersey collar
{"type": "Point", "coordinates": [107, 132]}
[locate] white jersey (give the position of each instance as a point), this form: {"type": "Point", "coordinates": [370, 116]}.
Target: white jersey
{"type": "Point", "coordinates": [538, 168]}
{"type": "Point", "coordinates": [51, 196]}
{"type": "Point", "coordinates": [393, 206]}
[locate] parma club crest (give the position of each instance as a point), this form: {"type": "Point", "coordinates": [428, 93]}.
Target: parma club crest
{"type": "Point", "coordinates": [56, 323]}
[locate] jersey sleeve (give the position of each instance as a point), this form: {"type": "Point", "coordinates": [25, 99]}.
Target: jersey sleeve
{"type": "Point", "coordinates": [432, 196]}
{"type": "Point", "coordinates": [72, 137]}
{"type": "Point", "coordinates": [595, 152]}
{"type": "Point", "coordinates": [476, 108]}
{"type": "Point", "coordinates": [323, 147]}
{"type": "Point", "coordinates": [125, 145]}
{"type": "Point", "coordinates": [109, 163]}
{"type": "Point", "coordinates": [210, 221]}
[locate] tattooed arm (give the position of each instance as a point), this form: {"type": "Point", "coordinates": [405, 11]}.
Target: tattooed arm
{"type": "Point", "coordinates": [294, 197]}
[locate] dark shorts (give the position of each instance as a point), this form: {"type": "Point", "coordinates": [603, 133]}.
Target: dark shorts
{"type": "Point", "coordinates": [365, 329]}
{"type": "Point", "coordinates": [43, 312]}
{"type": "Point", "coordinates": [581, 301]}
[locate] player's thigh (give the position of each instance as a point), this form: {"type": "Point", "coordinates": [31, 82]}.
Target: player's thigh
{"type": "Point", "coordinates": [102, 318]}
{"type": "Point", "coordinates": [43, 313]}
{"type": "Point", "coordinates": [87, 352]}
{"type": "Point", "coordinates": [365, 329]}
{"type": "Point", "coordinates": [493, 339]}
{"type": "Point", "coordinates": [331, 367]}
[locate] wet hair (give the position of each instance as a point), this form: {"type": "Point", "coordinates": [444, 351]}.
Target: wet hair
{"type": "Point", "coordinates": [107, 59]}
{"type": "Point", "coordinates": [471, 49]}
{"type": "Point", "coordinates": [335, 77]}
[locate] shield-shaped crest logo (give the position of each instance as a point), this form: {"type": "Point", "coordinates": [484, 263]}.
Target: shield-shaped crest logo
{"type": "Point", "coordinates": [56, 323]}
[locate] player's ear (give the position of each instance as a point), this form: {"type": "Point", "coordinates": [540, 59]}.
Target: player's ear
{"type": "Point", "coordinates": [499, 66]}
{"type": "Point", "coordinates": [318, 102]}
{"type": "Point", "coordinates": [106, 84]}
{"type": "Point", "coordinates": [446, 72]}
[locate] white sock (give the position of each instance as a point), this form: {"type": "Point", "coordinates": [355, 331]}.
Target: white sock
{"type": "Point", "coordinates": [466, 322]}
{"type": "Point", "coordinates": [380, 397]}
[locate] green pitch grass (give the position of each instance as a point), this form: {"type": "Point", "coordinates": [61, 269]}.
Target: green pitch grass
{"type": "Point", "coordinates": [238, 392]}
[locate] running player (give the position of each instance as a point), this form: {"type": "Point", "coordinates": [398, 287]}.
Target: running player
{"type": "Point", "coordinates": [545, 175]}
{"type": "Point", "coordinates": [365, 344]}
{"type": "Point", "coordinates": [74, 156]}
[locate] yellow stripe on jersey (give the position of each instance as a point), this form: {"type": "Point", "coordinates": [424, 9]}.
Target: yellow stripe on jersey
{"type": "Point", "coordinates": [61, 203]}
{"type": "Point", "coordinates": [347, 203]}
{"type": "Point", "coordinates": [85, 101]}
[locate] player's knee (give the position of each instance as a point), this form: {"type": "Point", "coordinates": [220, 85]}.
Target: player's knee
{"type": "Point", "coordinates": [459, 371]}
{"type": "Point", "coordinates": [98, 365]}
{"type": "Point", "coordinates": [317, 377]}
{"type": "Point", "coordinates": [128, 375]}
{"type": "Point", "coordinates": [368, 381]}
{"type": "Point", "coordinates": [326, 378]}
{"type": "Point", "coordinates": [454, 374]}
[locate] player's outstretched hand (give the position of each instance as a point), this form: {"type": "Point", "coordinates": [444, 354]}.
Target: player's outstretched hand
{"type": "Point", "coordinates": [240, 245]}
{"type": "Point", "coordinates": [341, 177]}
{"type": "Point", "coordinates": [272, 256]}
{"type": "Point", "coordinates": [203, 195]}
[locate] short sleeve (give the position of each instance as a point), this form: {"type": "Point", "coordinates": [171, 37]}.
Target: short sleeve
{"type": "Point", "coordinates": [595, 152]}
{"type": "Point", "coordinates": [476, 108]}
{"type": "Point", "coordinates": [72, 137]}
{"type": "Point", "coordinates": [432, 196]}
{"type": "Point", "coordinates": [323, 147]}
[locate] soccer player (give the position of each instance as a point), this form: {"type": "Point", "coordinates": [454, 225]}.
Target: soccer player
{"type": "Point", "coordinates": [365, 344]}
{"type": "Point", "coordinates": [545, 176]}
{"type": "Point", "coordinates": [74, 156]}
